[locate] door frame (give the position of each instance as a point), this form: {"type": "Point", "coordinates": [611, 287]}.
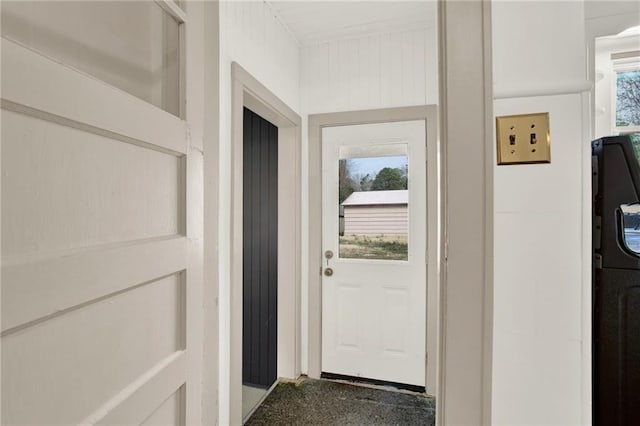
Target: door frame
{"type": "Point", "coordinates": [248, 92]}
{"type": "Point", "coordinates": [316, 123]}
{"type": "Point", "coordinates": [595, 27]}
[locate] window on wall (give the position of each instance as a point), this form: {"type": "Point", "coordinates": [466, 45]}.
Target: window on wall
{"type": "Point", "coordinates": [626, 96]}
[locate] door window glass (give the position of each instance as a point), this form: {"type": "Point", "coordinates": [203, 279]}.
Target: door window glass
{"type": "Point", "coordinates": [635, 143]}
{"type": "Point", "coordinates": [631, 224]}
{"type": "Point", "coordinates": [373, 200]}
{"type": "Point", "coordinates": [130, 45]}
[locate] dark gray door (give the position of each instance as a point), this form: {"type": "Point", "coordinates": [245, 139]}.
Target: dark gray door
{"type": "Point", "coordinates": [260, 251]}
{"type": "Point", "coordinates": [616, 283]}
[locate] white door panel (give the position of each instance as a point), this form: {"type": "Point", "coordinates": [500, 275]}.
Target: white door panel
{"type": "Point", "coordinates": [97, 282]}
{"type": "Point", "coordinates": [91, 201]}
{"type": "Point", "coordinates": [374, 306]}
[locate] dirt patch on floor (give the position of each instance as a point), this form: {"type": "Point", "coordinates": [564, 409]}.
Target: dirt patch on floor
{"type": "Point", "coordinates": [325, 402]}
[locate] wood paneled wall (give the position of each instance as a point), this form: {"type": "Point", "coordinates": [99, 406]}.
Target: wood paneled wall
{"type": "Point", "coordinates": [251, 35]}
{"type": "Point", "coordinates": [376, 71]}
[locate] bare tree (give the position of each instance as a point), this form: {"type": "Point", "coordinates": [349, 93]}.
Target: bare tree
{"type": "Point", "coordinates": [346, 183]}
{"type": "Point", "coordinates": [628, 99]}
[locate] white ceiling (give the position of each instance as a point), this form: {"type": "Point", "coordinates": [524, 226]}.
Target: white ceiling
{"type": "Point", "coordinates": [317, 21]}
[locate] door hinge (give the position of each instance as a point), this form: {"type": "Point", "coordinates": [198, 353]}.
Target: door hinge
{"type": "Point", "coordinates": [597, 261]}
{"type": "Point", "coordinates": [597, 231]}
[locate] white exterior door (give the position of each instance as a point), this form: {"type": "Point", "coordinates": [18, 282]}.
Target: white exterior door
{"type": "Point", "coordinates": [100, 247]}
{"type": "Point", "coordinates": [374, 301]}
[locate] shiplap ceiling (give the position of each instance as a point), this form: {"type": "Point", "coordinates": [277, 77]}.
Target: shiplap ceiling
{"type": "Point", "coordinates": [317, 21]}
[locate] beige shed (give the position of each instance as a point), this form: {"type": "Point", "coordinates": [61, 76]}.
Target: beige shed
{"type": "Point", "coordinates": [376, 213]}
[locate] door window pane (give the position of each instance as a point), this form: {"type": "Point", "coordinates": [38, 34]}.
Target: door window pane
{"type": "Point", "coordinates": [373, 199]}
{"type": "Point", "coordinates": [631, 219]}
{"type": "Point", "coordinates": [130, 45]}
{"type": "Point", "coordinates": [635, 143]}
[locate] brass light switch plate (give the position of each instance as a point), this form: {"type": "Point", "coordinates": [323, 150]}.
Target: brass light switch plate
{"type": "Point", "coordinates": [523, 139]}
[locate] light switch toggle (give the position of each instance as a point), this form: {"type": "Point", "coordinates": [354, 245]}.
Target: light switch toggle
{"type": "Point", "coordinates": [532, 139]}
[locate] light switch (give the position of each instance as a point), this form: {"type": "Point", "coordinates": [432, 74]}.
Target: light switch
{"type": "Point", "coordinates": [523, 139]}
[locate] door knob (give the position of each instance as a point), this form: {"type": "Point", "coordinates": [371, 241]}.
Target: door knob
{"type": "Point", "coordinates": [328, 272]}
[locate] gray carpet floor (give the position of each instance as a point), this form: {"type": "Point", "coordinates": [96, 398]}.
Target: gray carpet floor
{"type": "Point", "coordinates": [324, 402]}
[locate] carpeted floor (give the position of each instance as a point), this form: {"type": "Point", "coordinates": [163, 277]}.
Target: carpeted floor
{"type": "Point", "coordinates": [324, 402]}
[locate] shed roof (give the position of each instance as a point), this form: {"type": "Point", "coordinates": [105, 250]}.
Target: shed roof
{"type": "Point", "coordinates": [364, 198]}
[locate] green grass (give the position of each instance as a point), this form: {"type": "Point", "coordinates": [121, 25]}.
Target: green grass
{"type": "Point", "coordinates": [382, 247]}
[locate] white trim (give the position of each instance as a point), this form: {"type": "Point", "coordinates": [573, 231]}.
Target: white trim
{"type": "Point", "coordinates": [488, 296]}
{"type": "Point", "coordinates": [133, 404]}
{"type": "Point", "coordinates": [247, 91]}
{"type": "Point", "coordinates": [183, 30]}
{"type": "Point", "coordinates": [625, 130]}
{"type": "Point", "coordinates": [282, 22]}
{"type": "Point", "coordinates": [197, 95]}
{"type": "Point", "coordinates": [551, 89]}
{"type": "Point", "coordinates": [316, 123]}
{"type": "Point", "coordinates": [626, 61]}
{"type": "Point", "coordinates": [55, 280]}
{"type": "Point", "coordinates": [210, 96]}
{"type": "Point", "coordinates": [466, 318]}
{"type": "Point", "coordinates": [116, 112]}
{"type": "Point", "coordinates": [1, 274]}
{"type": "Point", "coordinates": [586, 176]}
{"type": "Point", "coordinates": [173, 10]}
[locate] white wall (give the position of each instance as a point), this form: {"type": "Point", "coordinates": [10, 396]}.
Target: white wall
{"type": "Point", "coordinates": [538, 265]}
{"type": "Point", "coordinates": [253, 37]}
{"type": "Point", "coordinates": [540, 371]}
{"type": "Point", "coordinates": [377, 71]}
{"type": "Point", "coordinates": [537, 44]}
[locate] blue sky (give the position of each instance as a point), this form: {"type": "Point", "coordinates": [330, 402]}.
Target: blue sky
{"type": "Point", "coordinates": [372, 165]}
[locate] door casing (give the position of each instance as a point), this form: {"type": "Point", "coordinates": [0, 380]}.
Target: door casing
{"type": "Point", "coordinates": [248, 92]}
{"type": "Point", "coordinates": [316, 123]}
